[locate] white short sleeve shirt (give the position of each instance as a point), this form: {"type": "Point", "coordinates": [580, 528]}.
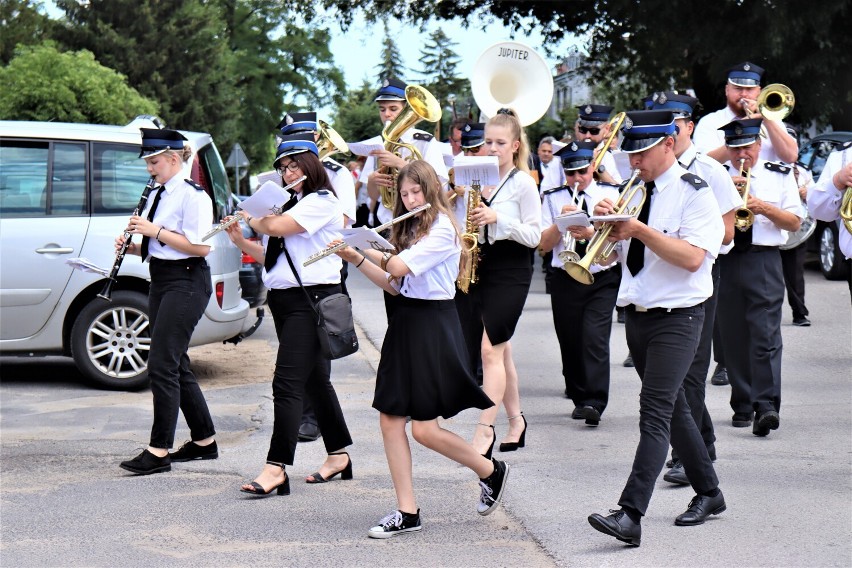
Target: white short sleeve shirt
{"type": "Point", "coordinates": [182, 209]}
{"type": "Point", "coordinates": [434, 263]}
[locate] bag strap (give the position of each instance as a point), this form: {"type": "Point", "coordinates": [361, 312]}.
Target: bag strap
{"type": "Point", "coordinates": [299, 280]}
{"type": "Point", "coordinates": [490, 200]}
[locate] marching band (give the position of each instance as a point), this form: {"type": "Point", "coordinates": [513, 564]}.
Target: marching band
{"type": "Point", "coordinates": [692, 238]}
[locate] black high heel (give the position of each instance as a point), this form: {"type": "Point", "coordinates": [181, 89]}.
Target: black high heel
{"type": "Point", "coordinates": [282, 488]}
{"type": "Point", "coordinates": [512, 446]}
{"type": "Point", "coordinates": [490, 450]}
{"type": "Point", "coordinates": [345, 473]}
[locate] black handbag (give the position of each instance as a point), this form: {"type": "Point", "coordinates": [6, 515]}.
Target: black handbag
{"type": "Point", "coordinates": [335, 326]}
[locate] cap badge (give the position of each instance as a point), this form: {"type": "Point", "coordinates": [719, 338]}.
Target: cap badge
{"type": "Point", "coordinates": [655, 97]}
{"type": "Point", "coordinates": [662, 99]}
{"type": "Point", "coordinates": [738, 130]}
{"type": "Point", "coordinates": [588, 109]}
{"type": "Point", "coordinates": [386, 83]}
{"type": "Point", "coordinates": [289, 120]}
{"type": "Point", "coordinates": [628, 123]}
{"type": "Point", "coordinates": [467, 128]}
{"type": "Point", "coordinates": [574, 147]}
{"type": "Point", "coordinates": [746, 67]}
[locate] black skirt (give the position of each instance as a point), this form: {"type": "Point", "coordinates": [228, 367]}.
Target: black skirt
{"type": "Point", "coordinates": [424, 371]}
{"type": "Point", "coordinates": [504, 275]}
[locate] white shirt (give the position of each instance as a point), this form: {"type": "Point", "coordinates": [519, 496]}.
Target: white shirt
{"type": "Point", "coordinates": [431, 152]}
{"type": "Point", "coordinates": [824, 198]}
{"type": "Point", "coordinates": [719, 180]}
{"type": "Point", "coordinates": [344, 186]}
{"type": "Point", "coordinates": [182, 209]}
{"type": "Point", "coordinates": [321, 216]}
{"type": "Point", "coordinates": [679, 211]}
{"type": "Point", "coordinates": [552, 207]}
{"type": "Point", "coordinates": [611, 168]}
{"type": "Point", "coordinates": [518, 209]}
{"type": "Point", "coordinates": [778, 189]}
{"type": "Point", "coordinates": [707, 135]}
{"type": "Point", "coordinates": [434, 263]}
{"type": "Point", "coordinates": [552, 174]}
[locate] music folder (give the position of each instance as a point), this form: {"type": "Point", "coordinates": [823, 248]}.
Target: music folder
{"type": "Point", "coordinates": [573, 219]}
{"type": "Point", "coordinates": [483, 169]}
{"type": "Point", "coordinates": [365, 238]}
{"type": "Point", "coordinates": [267, 200]}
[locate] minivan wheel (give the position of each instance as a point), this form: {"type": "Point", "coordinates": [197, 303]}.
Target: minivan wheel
{"type": "Point", "coordinates": [110, 341]}
{"type": "Point", "coordinates": [830, 258]}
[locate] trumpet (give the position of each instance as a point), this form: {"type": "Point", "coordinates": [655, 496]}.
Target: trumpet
{"type": "Point", "coordinates": [568, 254]}
{"type": "Point", "coordinates": [744, 216]}
{"type": "Point", "coordinates": [329, 250]}
{"type": "Point", "coordinates": [599, 249]}
{"type": "Point", "coordinates": [238, 215]}
{"type": "Point", "coordinates": [774, 102]}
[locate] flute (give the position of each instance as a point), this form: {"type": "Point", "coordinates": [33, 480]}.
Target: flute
{"type": "Point", "coordinates": [340, 246]}
{"type": "Point", "coordinates": [106, 293]}
{"type": "Point", "coordinates": [239, 214]}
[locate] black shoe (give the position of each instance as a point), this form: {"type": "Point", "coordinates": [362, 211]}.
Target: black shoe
{"type": "Point", "coordinates": [672, 462]}
{"type": "Point", "coordinates": [579, 413]}
{"type": "Point", "coordinates": [308, 432]}
{"type": "Point", "coordinates": [258, 490]}
{"type": "Point", "coordinates": [765, 422]}
{"type": "Point", "coordinates": [490, 449]}
{"type": "Point", "coordinates": [191, 451]}
{"type": "Point", "coordinates": [146, 463]}
{"type": "Point", "coordinates": [741, 419]}
{"type": "Point", "coordinates": [492, 488]}
{"type": "Point", "coordinates": [345, 473]}
{"type": "Point", "coordinates": [700, 508]}
{"type": "Point", "coordinates": [619, 525]}
{"type": "Point", "coordinates": [628, 361]}
{"type": "Point", "coordinates": [522, 440]}
{"type": "Point", "coordinates": [676, 475]}
{"type": "Point", "coordinates": [720, 376]}
{"type": "Point", "coordinates": [396, 523]}
{"type": "Point", "coordinates": [802, 322]}
{"type": "Point", "coordinates": [592, 415]}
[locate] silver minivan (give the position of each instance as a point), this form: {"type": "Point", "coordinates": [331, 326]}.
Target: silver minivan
{"type": "Point", "coordinates": [67, 190]}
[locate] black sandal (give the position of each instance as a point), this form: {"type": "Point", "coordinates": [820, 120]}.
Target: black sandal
{"type": "Point", "coordinates": [258, 490]}
{"type": "Point", "coordinates": [345, 473]}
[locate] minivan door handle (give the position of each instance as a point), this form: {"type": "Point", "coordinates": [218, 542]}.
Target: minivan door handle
{"type": "Point", "coordinates": [55, 250]}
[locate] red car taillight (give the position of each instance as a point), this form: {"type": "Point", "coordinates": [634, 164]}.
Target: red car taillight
{"type": "Point", "coordinates": [220, 292]}
{"type": "Point", "coordinates": [247, 258]}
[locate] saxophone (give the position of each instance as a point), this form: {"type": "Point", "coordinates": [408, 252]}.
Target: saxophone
{"type": "Point", "coordinates": [470, 239]}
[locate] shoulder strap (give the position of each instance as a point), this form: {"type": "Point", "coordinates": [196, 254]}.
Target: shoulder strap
{"type": "Point", "coordinates": [490, 200]}
{"type": "Point", "coordinates": [299, 280]}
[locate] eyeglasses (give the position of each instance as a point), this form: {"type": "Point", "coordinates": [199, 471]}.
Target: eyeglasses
{"type": "Point", "coordinates": [580, 172]}
{"type": "Point", "coordinates": [292, 166]}
{"type": "Point", "coordinates": [470, 150]}
{"type": "Point", "coordinates": [592, 131]}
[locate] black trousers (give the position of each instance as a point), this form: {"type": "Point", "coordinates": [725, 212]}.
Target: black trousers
{"type": "Point", "coordinates": [180, 290]}
{"type": "Point", "coordinates": [751, 295]}
{"type": "Point", "coordinates": [696, 378]}
{"type": "Point", "coordinates": [663, 345]}
{"type": "Point", "coordinates": [793, 267]}
{"type": "Point", "coordinates": [301, 370]}
{"type": "Point", "coordinates": [582, 317]}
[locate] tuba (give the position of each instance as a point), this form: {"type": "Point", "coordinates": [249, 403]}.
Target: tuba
{"type": "Point", "coordinates": [470, 239]}
{"type": "Point", "coordinates": [744, 217]}
{"type": "Point", "coordinates": [329, 141]}
{"type": "Point", "coordinates": [599, 249]}
{"type": "Point", "coordinates": [511, 74]}
{"type": "Point", "coordinates": [419, 105]}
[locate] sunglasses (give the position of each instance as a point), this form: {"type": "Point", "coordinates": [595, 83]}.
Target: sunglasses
{"type": "Point", "coordinates": [592, 131]}
{"type": "Point", "coordinates": [292, 166]}
{"type": "Point", "coordinates": [470, 150]}
{"type": "Point", "coordinates": [580, 172]}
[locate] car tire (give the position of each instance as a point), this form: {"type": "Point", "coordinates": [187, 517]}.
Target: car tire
{"type": "Point", "coordinates": [830, 258]}
{"type": "Point", "coordinates": [110, 341]}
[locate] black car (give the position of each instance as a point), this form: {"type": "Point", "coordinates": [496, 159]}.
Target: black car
{"type": "Point", "coordinates": [824, 242]}
{"type": "Point", "coordinates": [251, 271]}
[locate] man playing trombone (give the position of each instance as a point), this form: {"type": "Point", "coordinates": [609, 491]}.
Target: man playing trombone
{"type": "Point", "coordinates": [751, 288]}
{"type": "Point", "coordinates": [582, 315]}
{"type": "Point", "coordinates": [666, 261]}
{"type": "Point", "coordinates": [741, 92]}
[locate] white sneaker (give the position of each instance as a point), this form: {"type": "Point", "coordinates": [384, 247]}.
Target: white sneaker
{"type": "Point", "coordinates": [396, 523]}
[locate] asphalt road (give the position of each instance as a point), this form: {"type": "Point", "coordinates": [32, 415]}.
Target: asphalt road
{"type": "Point", "coordinates": [65, 502]}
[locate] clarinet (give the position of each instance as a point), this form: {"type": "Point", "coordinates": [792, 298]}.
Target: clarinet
{"type": "Point", "coordinates": [112, 279]}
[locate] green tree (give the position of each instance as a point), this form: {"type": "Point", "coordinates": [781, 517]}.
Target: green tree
{"type": "Point", "coordinates": [40, 83]}
{"type": "Point", "coordinates": [439, 67]}
{"type": "Point", "coordinates": [357, 118]}
{"type": "Point", "coordinates": [20, 23]}
{"type": "Point", "coordinates": [391, 64]}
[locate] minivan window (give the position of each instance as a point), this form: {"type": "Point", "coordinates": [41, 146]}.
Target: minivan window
{"type": "Point", "coordinates": [213, 167]}
{"type": "Point", "coordinates": [23, 178]}
{"type": "Point", "coordinates": [118, 178]}
{"type": "Point", "coordinates": [68, 190]}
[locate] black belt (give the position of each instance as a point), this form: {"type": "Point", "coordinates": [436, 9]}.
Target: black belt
{"type": "Point", "coordinates": [754, 248]}
{"type": "Point", "coordinates": [633, 308]}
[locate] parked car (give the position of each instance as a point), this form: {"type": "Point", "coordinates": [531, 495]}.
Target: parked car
{"type": "Point", "coordinates": [825, 242]}
{"type": "Point", "coordinates": [251, 271]}
{"type": "Point", "coordinates": [67, 190]}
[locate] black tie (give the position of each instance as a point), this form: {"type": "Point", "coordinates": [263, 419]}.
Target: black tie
{"type": "Point", "coordinates": [275, 245]}
{"type": "Point", "coordinates": [151, 212]}
{"type": "Point", "coordinates": [580, 247]}
{"type": "Point", "coordinates": [636, 252]}
{"type": "Point", "coordinates": [742, 239]}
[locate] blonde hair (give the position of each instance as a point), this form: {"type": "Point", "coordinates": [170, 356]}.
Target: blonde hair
{"type": "Point", "coordinates": [509, 120]}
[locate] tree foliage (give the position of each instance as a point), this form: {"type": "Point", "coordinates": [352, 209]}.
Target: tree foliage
{"type": "Point", "coordinates": [21, 23]}
{"type": "Point", "coordinates": [686, 42]}
{"type": "Point", "coordinates": [357, 117]}
{"type": "Point", "coordinates": [439, 68]}
{"type": "Point", "coordinates": [391, 64]}
{"type": "Point", "coordinates": [41, 83]}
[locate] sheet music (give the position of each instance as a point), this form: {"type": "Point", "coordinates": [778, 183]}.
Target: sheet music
{"type": "Point", "coordinates": [267, 200]}
{"type": "Point", "coordinates": [365, 238]}
{"type": "Point", "coordinates": [86, 265]}
{"type": "Point", "coordinates": [272, 176]}
{"type": "Point", "coordinates": [364, 148]}
{"type": "Point", "coordinates": [573, 219]}
{"type": "Point", "coordinates": [466, 169]}
{"type": "Point", "coordinates": [447, 154]}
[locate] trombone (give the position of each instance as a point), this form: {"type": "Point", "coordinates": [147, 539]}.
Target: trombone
{"type": "Point", "coordinates": [615, 125]}
{"type": "Point", "coordinates": [599, 249]}
{"type": "Point", "coordinates": [744, 216]}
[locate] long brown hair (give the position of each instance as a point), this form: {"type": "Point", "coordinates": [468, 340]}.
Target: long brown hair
{"type": "Point", "coordinates": [405, 233]}
{"type": "Point", "coordinates": [312, 167]}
